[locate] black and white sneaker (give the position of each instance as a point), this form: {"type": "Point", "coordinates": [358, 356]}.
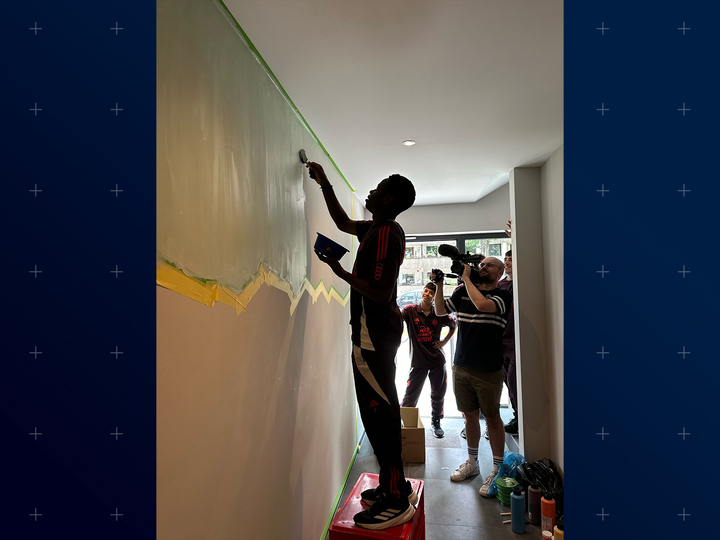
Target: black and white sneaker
{"type": "Point", "coordinates": [437, 430]}
{"type": "Point", "coordinates": [385, 513]}
{"type": "Point", "coordinates": [370, 496]}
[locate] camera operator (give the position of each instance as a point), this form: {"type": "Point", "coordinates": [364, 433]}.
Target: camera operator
{"type": "Point", "coordinates": [482, 314]}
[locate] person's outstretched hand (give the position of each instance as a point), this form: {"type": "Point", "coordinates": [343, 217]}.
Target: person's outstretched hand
{"type": "Point", "coordinates": [317, 173]}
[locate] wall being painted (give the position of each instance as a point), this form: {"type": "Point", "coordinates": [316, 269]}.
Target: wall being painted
{"type": "Point", "coordinates": [230, 183]}
{"type": "Point", "coordinates": [256, 422]}
{"type": "Point", "coordinates": [488, 214]}
{"type": "Point", "coordinates": [551, 192]}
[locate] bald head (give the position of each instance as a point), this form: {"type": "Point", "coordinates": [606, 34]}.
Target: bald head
{"type": "Point", "coordinates": [491, 270]}
{"type": "Point", "coordinates": [493, 260]}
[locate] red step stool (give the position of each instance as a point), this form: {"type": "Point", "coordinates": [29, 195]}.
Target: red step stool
{"type": "Point", "coordinates": [343, 527]}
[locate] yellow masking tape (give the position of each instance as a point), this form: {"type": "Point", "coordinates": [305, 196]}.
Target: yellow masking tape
{"type": "Point", "coordinates": [175, 280]}
{"type": "Point", "coordinates": [210, 292]}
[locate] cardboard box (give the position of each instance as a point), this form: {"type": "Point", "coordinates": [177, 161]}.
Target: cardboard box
{"type": "Point", "coordinates": [413, 435]}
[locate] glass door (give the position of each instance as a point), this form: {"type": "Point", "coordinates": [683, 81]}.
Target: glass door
{"type": "Point", "coordinates": [421, 257]}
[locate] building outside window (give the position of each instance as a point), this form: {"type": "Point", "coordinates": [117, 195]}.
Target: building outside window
{"type": "Point", "coordinates": [413, 251]}
{"type": "Point", "coordinates": [422, 256]}
{"type": "Point", "coordinates": [420, 259]}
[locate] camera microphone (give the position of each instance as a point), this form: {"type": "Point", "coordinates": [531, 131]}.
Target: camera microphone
{"type": "Point", "coordinates": [458, 261]}
{"type": "Point", "coordinates": [446, 250]}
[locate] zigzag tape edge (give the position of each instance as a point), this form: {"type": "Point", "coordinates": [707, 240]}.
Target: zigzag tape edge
{"type": "Point", "coordinates": [208, 292]}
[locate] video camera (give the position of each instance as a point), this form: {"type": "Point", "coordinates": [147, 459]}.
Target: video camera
{"type": "Point", "coordinates": [458, 259]}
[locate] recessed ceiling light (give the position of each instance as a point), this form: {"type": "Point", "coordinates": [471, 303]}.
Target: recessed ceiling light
{"type": "Point", "coordinates": [408, 142]}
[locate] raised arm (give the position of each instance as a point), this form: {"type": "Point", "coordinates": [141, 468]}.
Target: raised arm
{"type": "Point", "coordinates": [439, 296]}
{"type": "Point", "coordinates": [337, 213]}
{"type": "Point", "coordinates": [477, 298]}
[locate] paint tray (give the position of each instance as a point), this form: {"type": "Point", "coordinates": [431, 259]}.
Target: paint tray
{"type": "Point", "coordinates": [323, 242]}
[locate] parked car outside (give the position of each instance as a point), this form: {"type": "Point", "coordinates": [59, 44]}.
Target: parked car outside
{"type": "Point", "coordinates": [409, 298]}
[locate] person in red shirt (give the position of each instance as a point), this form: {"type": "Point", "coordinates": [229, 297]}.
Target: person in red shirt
{"type": "Point", "coordinates": [427, 358]}
{"type": "Point", "coordinates": [376, 334]}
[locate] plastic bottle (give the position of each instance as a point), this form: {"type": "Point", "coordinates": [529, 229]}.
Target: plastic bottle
{"type": "Point", "coordinates": [517, 510]}
{"type": "Point", "coordinates": [547, 535]}
{"type": "Point", "coordinates": [560, 529]}
{"type": "Point", "coordinates": [533, 497]}
{"type": "Point", "coordinates": [547, 510]}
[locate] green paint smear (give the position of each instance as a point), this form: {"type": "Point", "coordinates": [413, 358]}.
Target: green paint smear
{"type": "Point", "coordinates": [201, 280]}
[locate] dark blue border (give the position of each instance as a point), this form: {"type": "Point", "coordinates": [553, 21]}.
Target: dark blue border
{"type": "Point", "coordinates": [629, 151]}
{"type": "Point", "coordinates": [75, 230]}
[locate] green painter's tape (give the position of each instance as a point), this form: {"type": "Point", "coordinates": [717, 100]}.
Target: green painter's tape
{"type": "Point", "coordinates": [332, 288]}
{"type": "Point", "coordinates": [282, 90]}
{"type": "Point", "coordinates": [337, 499]}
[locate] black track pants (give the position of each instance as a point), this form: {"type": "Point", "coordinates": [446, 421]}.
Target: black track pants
{"type": "Point", "coordinates": [374, 373]}
{"type": "Point", "coordinates": [438, 387]}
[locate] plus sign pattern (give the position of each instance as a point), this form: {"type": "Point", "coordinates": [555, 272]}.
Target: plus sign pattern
{"type": "Point", "coordinates": [77, 403]}
{"type": "Point", "coordinates": [640, 215]}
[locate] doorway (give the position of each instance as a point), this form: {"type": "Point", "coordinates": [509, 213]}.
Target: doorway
{"type": "Point", "coordinates": [421, 257]}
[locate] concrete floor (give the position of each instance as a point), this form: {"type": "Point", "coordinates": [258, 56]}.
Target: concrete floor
{"type": "Point", "coordinates": [453, 510]}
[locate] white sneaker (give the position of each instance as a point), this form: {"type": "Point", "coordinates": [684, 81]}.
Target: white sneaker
{"type": "Point", "coordinates": [488, 482]}
{"type": "Point", "coordinates": [466, 470]}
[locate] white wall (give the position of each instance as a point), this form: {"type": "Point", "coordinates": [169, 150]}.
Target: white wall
{"type": "Point", "coordinates": [536, 201]}
{"type": "Point", "coordinates": [530, 316]}
{"type": "Point", "coordinates": [255, 417]}
{"type": "Point", "coordinates": [551, 190]}
{"type": "Point", "coordinates": [488, 214]}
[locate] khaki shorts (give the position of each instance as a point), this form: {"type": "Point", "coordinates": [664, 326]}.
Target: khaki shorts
{"type": "Point", "coordinates": [476, 389]}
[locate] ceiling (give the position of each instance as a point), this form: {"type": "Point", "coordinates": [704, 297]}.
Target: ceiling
{"type": "Point", "coordinates": [476, 83]}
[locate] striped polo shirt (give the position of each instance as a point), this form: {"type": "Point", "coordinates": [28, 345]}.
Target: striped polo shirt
{"type": "Point", "coordinates": [479, 334]}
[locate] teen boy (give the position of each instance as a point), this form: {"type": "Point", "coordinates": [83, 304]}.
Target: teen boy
{"type": "Point", "coordinates": [427, 358]}
{"type": "Point", "coordinates": [376, 333]}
